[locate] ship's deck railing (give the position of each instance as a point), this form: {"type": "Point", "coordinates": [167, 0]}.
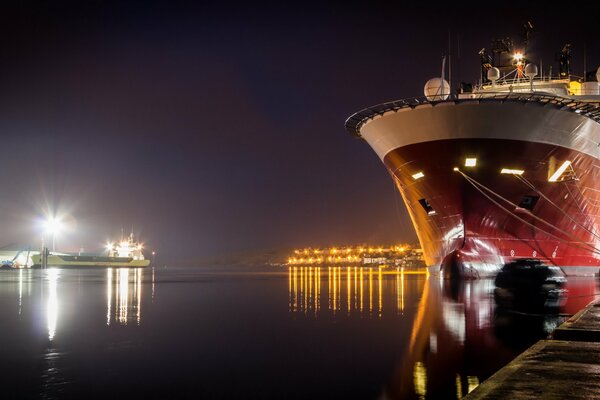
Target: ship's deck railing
{"type": "Point", "coordinates": [507, 80]}
{"type": "Point", "coordinates": [584, 108]}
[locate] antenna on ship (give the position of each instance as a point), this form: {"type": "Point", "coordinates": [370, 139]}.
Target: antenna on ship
{"type": "Point", "coordinates": [443, 72]}
{"type": "Point", "coordinates": [449, 61]}
{"type": "Point", "coordinates": [584, 64]}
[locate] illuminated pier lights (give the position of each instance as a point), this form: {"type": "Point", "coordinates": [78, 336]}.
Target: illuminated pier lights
{"type": "Point", "coordinates": [124, 295]}
{"type": "Point", "coordinates": [352, 289]}
{"type": "Point", "coordinates": [399, 255]}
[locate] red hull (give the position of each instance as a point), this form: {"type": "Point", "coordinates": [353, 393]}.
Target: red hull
{"type": "Point", "coordinates": [474, 232]}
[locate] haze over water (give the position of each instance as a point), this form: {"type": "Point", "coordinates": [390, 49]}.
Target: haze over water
{"type": "Point", "coordinates": [256, 333]}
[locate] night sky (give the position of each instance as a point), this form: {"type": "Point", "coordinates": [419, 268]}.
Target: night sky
{"type": "Point", "coordinates": [219, 129]}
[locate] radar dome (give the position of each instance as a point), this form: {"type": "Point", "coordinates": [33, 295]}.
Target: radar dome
{"type": "Point", "coordinates": [493, 74]}
{"type": "Point", "coordinates": [437, 89]}
{"type": "Point", "coordinates": [531, 70]}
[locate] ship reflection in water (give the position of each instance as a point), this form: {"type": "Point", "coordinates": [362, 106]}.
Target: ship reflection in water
{"type": "Point", "coordinates": [458, 336]}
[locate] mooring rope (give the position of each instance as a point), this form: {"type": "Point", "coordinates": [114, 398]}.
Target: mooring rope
{"type": "Point", "coordinates": [531, 186]}
{"type": "Point", "coordinates": [577, 243]}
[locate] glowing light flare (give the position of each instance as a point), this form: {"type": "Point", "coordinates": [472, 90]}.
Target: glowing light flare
{"type": "Point", "coordinates": [518, 57]}
{"type": "Point", "coordinates": [418, 175]}
{"type": "Point", "coordinates": [557, 174]}
{"type": "Point", "coordinates": [511, 171]}
{"type": "Point", "coordinates": [53, 225]}
{"type": "Point", "coordinates": [470, 162]}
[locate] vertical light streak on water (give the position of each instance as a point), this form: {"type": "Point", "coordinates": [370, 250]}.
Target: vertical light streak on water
{"type": "Point", "coordinates": [370, 291]}
{"type": "Point", "coordinates": [295, 279]}
{"type": "Point", "coordinates": [20, 290]}
{"type": "Point", "coordinates": [402, 286]}
{"type": "Point", "coordinates": [398, 290]}
{"type": "Point", "coordinates": [52, 302]}
{"type": "Point", "coordinates": [348, 288]}
{"type": "Point", "coordinates": [333, 296]}
{"type": "Point", "coordinates": [380, 281]}
{"type": "Point", "coordinates": [339, 288]}
{"type": "Point", "coordinates": [420, 379]}
{"type": "Point", "coordinates": [290, 283]}
{"type": "Point", "coordinates": [290, 289]}
{"type": "Point", "coordinates": [362, 297]}
{"type": "Point", "coordinates": [301, 304]}
{"type": "Point", "coordinates": [139, 296]}
{"type": "Point", "coordinates": [332, 293]}
{"type": "Point", "coordinates": [123, 295]}
{"type": "Point", "coordinates": [355, 287]}
{"type": "Point", "coordinates": [329, 300]}
{"type": "Point", "coordinates": [133, 291]}
{"type": "Point", "coordinates": [295, 305]}
{"type": "Point", "coordinates": [459, 390]}
{"type": "Point", "coordinates": [318, 290]}
{"type": "Point", "coordinates": [152, 284]}
{"type": "Point", "coordinates": [109, 283]}
{"type": "Point", "coordinates": [310, 292]}
{"type": "Point", "coordinates": [305, 292]}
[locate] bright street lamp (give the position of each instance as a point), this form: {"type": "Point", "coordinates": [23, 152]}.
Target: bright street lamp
{"type": "Point", "coordinates": [53, 226]}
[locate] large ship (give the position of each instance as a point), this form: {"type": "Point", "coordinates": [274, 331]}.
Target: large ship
{"type": "Point", "coordinates": [504, 169]}
{"type": "Point", "coordinates": [126, 253]}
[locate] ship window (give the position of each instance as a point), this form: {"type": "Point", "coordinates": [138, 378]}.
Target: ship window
{"type": "Point", "coordinates": [427, 207]}
{"type": "Point", "coordinates": [528, 202]}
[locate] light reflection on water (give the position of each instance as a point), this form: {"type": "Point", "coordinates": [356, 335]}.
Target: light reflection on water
{"type": "Point", "coordinates": [235, 333]}
{"type": "Point", "coordinates": [457, 339]}
{"type": "Point", "coordinates": [52, 302]}
{"type": "Point", "coordinates": [126, 291]}
{"type": "Point", "coordinates": [346, 289]}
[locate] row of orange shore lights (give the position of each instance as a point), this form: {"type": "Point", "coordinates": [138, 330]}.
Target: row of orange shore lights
{"type": "Point", "coordinates": [392, 255]}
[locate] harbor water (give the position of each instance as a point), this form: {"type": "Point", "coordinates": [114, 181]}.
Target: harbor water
{"type": "Point", "coordinates": [271, 332]}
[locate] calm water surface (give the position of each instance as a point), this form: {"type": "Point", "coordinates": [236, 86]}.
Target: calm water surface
{"type": "Point", "coordinates": [256, 333]}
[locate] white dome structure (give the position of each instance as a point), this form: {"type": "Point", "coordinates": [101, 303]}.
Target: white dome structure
{"type": "Point", "coordinates": [493, 74]}
{"type": "Point", "coordinates": [531, 71]}
{"type": "Point", "coordinates": [437, 89]}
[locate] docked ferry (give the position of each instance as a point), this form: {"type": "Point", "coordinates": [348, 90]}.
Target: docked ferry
{"type": "Point", "coordinates": [504, 169]}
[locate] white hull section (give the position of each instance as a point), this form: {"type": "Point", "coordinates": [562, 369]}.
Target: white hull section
{"type": "Point", "coordinates": [481, 119]}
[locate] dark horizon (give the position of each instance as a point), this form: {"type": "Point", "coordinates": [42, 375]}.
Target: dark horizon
{"type": "Point", "coordinates": [220, 129]}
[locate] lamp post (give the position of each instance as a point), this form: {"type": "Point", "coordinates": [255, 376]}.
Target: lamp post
{"type": "Point", "coordinates": [53, 227]}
